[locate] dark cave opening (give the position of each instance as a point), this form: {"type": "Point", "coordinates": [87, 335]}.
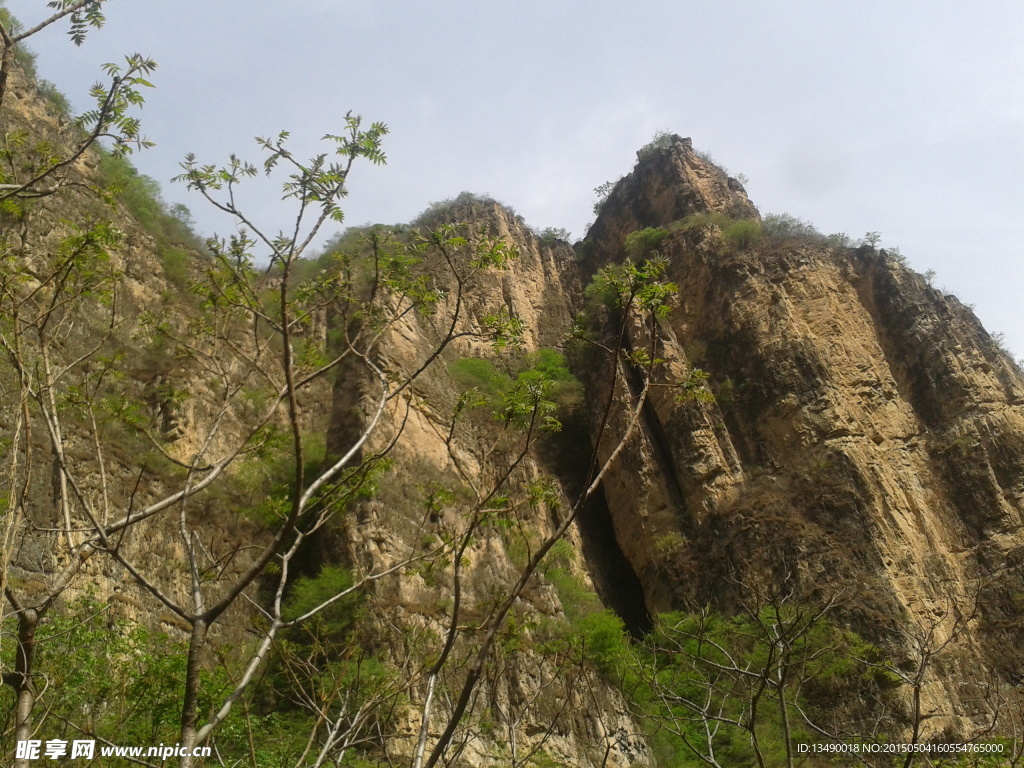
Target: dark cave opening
{"type": "Point", "coordinates": [567, 454]}
{"type": "Point", "coordinates": [613, 575]}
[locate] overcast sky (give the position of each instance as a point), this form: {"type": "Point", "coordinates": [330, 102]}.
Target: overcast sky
{"type": "Point", "coordinates": [905, 118]}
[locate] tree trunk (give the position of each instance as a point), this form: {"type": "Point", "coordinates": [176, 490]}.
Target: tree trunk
{"type": "Point", "coordinates": [190, 706]}
{"type": "Point", "coordinates": [21, 680]}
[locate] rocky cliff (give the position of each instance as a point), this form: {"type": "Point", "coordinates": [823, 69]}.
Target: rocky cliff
{"type": "Point", "coordinates": [865, 444]}
{"type": "Point", "coordinates": [864, 447]}
{"type": "Point", "coordinates": [866, 440]}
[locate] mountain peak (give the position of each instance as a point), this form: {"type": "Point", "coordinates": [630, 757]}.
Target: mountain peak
{"type": "Point", "coordinates": [670, 181]}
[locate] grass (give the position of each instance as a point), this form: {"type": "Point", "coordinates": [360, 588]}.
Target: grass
{"type": "Point", "coordinates": [170, 226]}
{"type": "Point", "coordinates": [443, 211]}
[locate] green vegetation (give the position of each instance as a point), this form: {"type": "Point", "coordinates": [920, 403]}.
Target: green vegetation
{"type": "Point", "coordinates": [734, 687]}
{"type": "Point", "coordinates": [742, 234]}
{"type": "Point", "coordinates": [871, 239]}
{"type": "Point", "coordinates": [551, 235]}
{"type": "Point", "coordinates": [123, 683]}
{"type": "Point", "coordinates": [170, 226]}
{"type": "Point", "coordinates": [603, 192]}
{"type": "Point", "coordinates": [839, 240]}
{"type": "Point", "coordinates": [660, 140]}
{"type": "Point", "coordinates": [783, 228]}
{"type": "Point", "coordinates": [117, 679]}
{"type": "Point", "coordinates": [55, 97]}
{"type": "Point", "coordinates": [479, 373]}
{"type": "Point", "coordinates": [629, 284]}
{"type": "Point", "coordinates": [641, 244]}
{"type": "Point", "coordinates": [773, 230]}
{"type": "Point", "coordinates": [542, 376]}
{"type": "Point", "coordinates": [591, 630]}
{"type": "Point", "coordinates": [449, 209]}
{"type": "Point", "coordinates": [739, 690]}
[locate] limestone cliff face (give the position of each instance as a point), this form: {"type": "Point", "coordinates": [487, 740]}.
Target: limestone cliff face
{"type": "Point", "coordinates": [867, 439]}
{"type": "Point", "coordinates": [866, 443]}
{"type": "Point", "coordinates": [534, 700]}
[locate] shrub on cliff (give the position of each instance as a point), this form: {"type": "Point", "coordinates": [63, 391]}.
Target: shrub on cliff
{"type": "Point", "coordinates": [660, 140]}
{"type": "Point", "coordinates": [640, 244]}
{"type": "Point", "coordinates": [784, 228]}
{"type": "Point", "coordinates": [742, 234]}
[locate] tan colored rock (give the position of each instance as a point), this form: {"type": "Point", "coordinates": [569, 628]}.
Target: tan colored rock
{"type": "Point", "coordinates": [869, 438]}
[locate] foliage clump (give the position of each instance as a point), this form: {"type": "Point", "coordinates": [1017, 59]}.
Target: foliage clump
{"type": "Point", "coordinates": [603, 192]}
{"type": "Point", "coordinates": [641, 244]}
{"type": "Point", "coordinates": [660, 140]}
{"type": "Point", "coordinates": [542, 377]}
{"type": "Point", "coordinates": [552, 235]}
{"type": "Point", "coordinates": [479, 373]}
{"type": "Point", "coordinates": [119, 679]}
{"type": "Point", "coordinates": [784, 228]}
{"type": "Point", "coordinates": [447, 210]}
{"type": "Point", "coordinates": [742, 234]}
{"type": "Point", "coordinates": [171, 226]}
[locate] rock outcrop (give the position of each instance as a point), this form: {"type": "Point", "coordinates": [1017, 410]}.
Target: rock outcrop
{"type": "Point", "coordinates": [867, 440]}
{"type": "Point", "coordinates": [865, 445]}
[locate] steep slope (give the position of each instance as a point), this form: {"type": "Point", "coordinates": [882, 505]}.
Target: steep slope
{"type": "Point", "coordinates": [866, 445]}
{"type": "Point", "coordinates": [867, 442]}
{"type": "Point", "coordinates": [537, 700]}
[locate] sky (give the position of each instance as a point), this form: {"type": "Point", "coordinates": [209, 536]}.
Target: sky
{"type": "Point", "coordinates": [857, 115]}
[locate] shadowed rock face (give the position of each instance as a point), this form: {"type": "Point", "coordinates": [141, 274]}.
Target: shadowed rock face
{"type": "Point", "coordinates": [866, 443]}
{"type": "Point", "coordinates": [667, 185]}
{"type": "Point", "coordinates": [867, 440]}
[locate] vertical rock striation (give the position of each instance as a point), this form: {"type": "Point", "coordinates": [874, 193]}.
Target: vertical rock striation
{"type": "Point", "coordinates": [867, 440]}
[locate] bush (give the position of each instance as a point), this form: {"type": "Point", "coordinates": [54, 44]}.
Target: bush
{"type": "Point", "coordinates": [479, 373]}
{"type": "Point", "coordinates": [599, 631]}
{"type": "Point", "coordinates": [738, 233]}
{"type": "Point", "coordinates": [576, 598]}
{"type": "Point", "coordinates": [896, 255]}
{"type": "Point", "coordinates": [783, 227]}
{"type": "Point", "coordinates": [640, 244]}
{"type": "Point", "coordinates": [550, 365]}
{"type": "Point", "coordinates": [545, 366]}
{"type": "Point", "coordinates": [660, 140]}
{"type": "Point", "coordinates": [839, 240]}
{"type": "Point", "coordinates": [175, 262]}
{"type": "Point", "coordinates": [56, 99]}
{"type": "Point", "coordinates": [699, 220]}
{"type": "Point", "coordinates": [604, 640]}
{"type": "Point", "coordinates": [551, 235]}
{"type": "Point", "coordinates": [742, 234]}
{"type": "Point", "coordinates": [309, 592]}
{"type": "Point", "coordinates": [442, 211]}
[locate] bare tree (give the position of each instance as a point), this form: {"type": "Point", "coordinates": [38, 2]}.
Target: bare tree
{"type": "Point", "coordinates": [927, 641]}
{"type": "Point", "coordinates": [74, 497]}
{"type": "Point", "coordinates": [717, 682]}
{"type": "Point", "coordinates": [638, 294]}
